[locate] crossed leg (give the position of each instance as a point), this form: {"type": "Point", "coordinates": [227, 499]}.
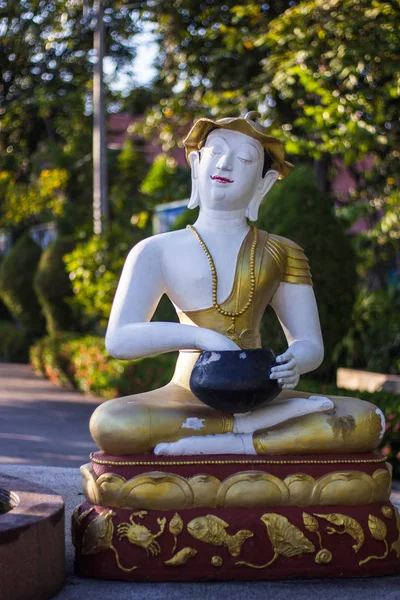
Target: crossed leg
{"type": "Point", "coordinates": [240, 441]}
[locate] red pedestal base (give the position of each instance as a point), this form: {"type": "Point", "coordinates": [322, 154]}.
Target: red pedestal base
{"type": "Point", "coordinates": [238, 543]}
{"type": "Point", "coordinates": [244, 518]}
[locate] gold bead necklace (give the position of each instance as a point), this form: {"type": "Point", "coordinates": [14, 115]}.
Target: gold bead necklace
{"type": "Point", "coordinates": [225, 313]}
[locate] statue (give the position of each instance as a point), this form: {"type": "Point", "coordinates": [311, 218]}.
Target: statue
{"type": "Point", "coordinates": [209, 273]}
{"type": "Point", "coordinates": [183, 489]}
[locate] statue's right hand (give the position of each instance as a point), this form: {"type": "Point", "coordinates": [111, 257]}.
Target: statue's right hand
{"type": "Point", "coordinates": [206, 339]}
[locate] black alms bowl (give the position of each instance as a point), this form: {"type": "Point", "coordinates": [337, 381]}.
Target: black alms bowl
{"type": "Point", "coordinates": [234, 381]}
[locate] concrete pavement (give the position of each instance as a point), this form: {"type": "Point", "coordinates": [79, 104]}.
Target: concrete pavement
{"type": "Point", "coordinates": [40, 423]}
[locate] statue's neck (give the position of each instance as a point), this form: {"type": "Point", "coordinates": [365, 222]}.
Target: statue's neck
{"type": "Point", "coordinates": [223, 222]}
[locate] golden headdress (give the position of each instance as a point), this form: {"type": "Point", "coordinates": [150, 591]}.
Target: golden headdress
{"type": "Point", "coordinates": [274, 147]}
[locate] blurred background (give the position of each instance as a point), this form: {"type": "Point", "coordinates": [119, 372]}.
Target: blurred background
{"type": "Point", "coordinates": [127, 79]}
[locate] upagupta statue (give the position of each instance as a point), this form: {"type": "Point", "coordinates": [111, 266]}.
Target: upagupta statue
{"type": "Point", "coordinates": [220, 275]}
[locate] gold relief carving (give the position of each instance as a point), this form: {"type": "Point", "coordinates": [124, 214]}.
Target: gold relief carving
{"type": "Point", "coordinates": [349, 488]}
{"type": "Point", "coordinates": [387, 512]}
{"type": "Point", "coordinates": [109, 486]}
{"type": "Point", "coordinates": [300, 488]}
{"type": "Point", "coordinates": [156, 491]}
{"type": "Point", "coordinates": [350, 526]}
{"type": "Point", "coordinates": [204, 488]}
{"type": "Point", "coordinates": [216, 561]}
{"type": "Point", "coordinates": [76, 524]}
{"type": "Point", "coordinates": [141, 536]}
{"type": "Point", "coordinates": [383, 480]}
{"type": "Point", "coordinates": [211, 530]}
{"type": "Point", "coordinates": [181, 557]}
{"type": "Point", "coordinates": [286, 539]}
{"type": "Point", "coordinates": [165, 491]}
{"type": "Point", "coordinates": [378, 531]}
{"type": "Point", "coordinates": [90, 486]}
{"type": "Point", "coordinates": [252, 489]}
{"type": "Point", "coordinates": [396, 545]}
{"type": "Point", "coordinates": [98, 537]}
{"type": "Point", "coordinates": [175, 527]}
{"type": "Point", "coordinates": [323, 557]}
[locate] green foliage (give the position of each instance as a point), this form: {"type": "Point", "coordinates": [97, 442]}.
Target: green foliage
{"type": "Point", "coordinates": [43, 198]}
{"type": "Point", "coordinates": [53, 287]}
{"type": "Point", "coordinates": [372, 341]}
{"type": "Point", "coordinates": [296, 209]}
{"type": "Point", "coordinates": [389, 405]}
{"type": "Point", "coordinates": [94, 267]}
{"type": "Point", "coordinates": [126, 198]}
{"type": "Point", "coordinates": [16, 284]}
{"type": "Point", "coordinates": [82, 363]}
{"type": "Point", "coordinates": [14, 342]}
{"type": "Point", "coordinates": [165, 181]}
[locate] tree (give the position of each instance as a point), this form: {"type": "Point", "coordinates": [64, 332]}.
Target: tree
{"type": "Point", "coordinates": [45, 88]}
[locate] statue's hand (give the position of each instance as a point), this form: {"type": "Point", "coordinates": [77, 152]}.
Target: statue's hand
{"type": "Point", "coordinates": [286, 370]}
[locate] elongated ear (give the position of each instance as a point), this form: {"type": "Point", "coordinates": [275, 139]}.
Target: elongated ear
{"type": "Point", "coordinates": [262, 190]}
{"type": "Point", "coordinates": [194, 159]}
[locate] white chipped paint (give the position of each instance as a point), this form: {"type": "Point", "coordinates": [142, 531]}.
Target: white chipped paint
{"type": "Point", "coordinates": [193, 423]}
{"type": "Point", "coordinates": [242, 355]}
{"type": "Point", "coordinates": [214, 356]}
{"type": "Point", "coordinates": [383, 422]}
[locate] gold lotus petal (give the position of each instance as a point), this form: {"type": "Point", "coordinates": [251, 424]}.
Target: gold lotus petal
{"type": "Point", "coordinates": [89, 483]}
{"type": "Point", "coordinates": [252, 489]}
{"type": "Point", "coordinates": [300, 488]}
{"type": "Point", "coordinates": [344, 488]}
{"type": "Point", "coordinates": [110, 486]}
{"type": "Point", "coordinates": [156, 490]}
{"type": "Point", "coordinates": [383, 479]}
{"type": "Point", "coordinates": [204, 488]}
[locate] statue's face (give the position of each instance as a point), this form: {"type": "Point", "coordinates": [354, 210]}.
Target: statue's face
{"type": "Point", "coordinates": [230, 170]}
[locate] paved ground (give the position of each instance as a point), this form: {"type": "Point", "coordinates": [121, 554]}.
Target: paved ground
{"type": "Point", "coordinates": [41, 424]}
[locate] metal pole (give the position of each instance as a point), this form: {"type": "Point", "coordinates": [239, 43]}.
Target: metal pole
{"type": "Point", "coordinates": [100, 202]}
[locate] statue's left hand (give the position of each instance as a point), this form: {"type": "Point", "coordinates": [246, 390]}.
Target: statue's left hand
{"type": "Point", "coordinates": [286, 370]}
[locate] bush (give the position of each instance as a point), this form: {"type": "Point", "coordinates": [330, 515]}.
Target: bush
{"type": "Point", "coordinates": [296, 209]}
{"type": "Point", "coordinates": [82, 363]}
{"type": "Point", "coordinates": [389, 405]}
{"type": "Point", "coordinates": [16, 285]}
{"type": "Point", "coordinates": [14, 342]}
{"type": "Point", "coordinates": [373, 339]}
{"type": "Point", "coordinates": [53, 287]}
{"type": "Point", "coordinates": [94, 267]}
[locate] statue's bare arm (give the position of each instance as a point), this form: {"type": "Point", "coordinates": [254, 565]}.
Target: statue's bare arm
{"type": "Point", "coordinates": [130, 335]}
{"type": "Point", "coordinates": [296, 309]}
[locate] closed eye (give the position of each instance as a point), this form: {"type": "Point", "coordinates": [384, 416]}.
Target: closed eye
{"type": "Point", "coordinates": [246, 161]}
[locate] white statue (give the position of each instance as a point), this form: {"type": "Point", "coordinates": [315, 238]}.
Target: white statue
{"type": "Point", "coordinates": [209, 275]}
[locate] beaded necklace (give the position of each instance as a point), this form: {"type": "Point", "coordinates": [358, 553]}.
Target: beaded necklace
{"type": "Point", "coordinates": [233, 315]}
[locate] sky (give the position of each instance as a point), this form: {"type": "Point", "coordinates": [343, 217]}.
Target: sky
{"type": "Point", "coordinates": [143, 69]}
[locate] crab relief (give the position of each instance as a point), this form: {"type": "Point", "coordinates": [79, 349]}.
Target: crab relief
{"type": "Point", "coordinates": [141, 536]}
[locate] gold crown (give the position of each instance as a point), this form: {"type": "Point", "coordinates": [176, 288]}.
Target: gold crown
{"type": "Point", "coordinates": [246, 125]}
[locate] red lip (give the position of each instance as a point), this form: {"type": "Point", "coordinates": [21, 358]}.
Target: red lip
{"type": "Point", "coordinates": [221, 179]}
